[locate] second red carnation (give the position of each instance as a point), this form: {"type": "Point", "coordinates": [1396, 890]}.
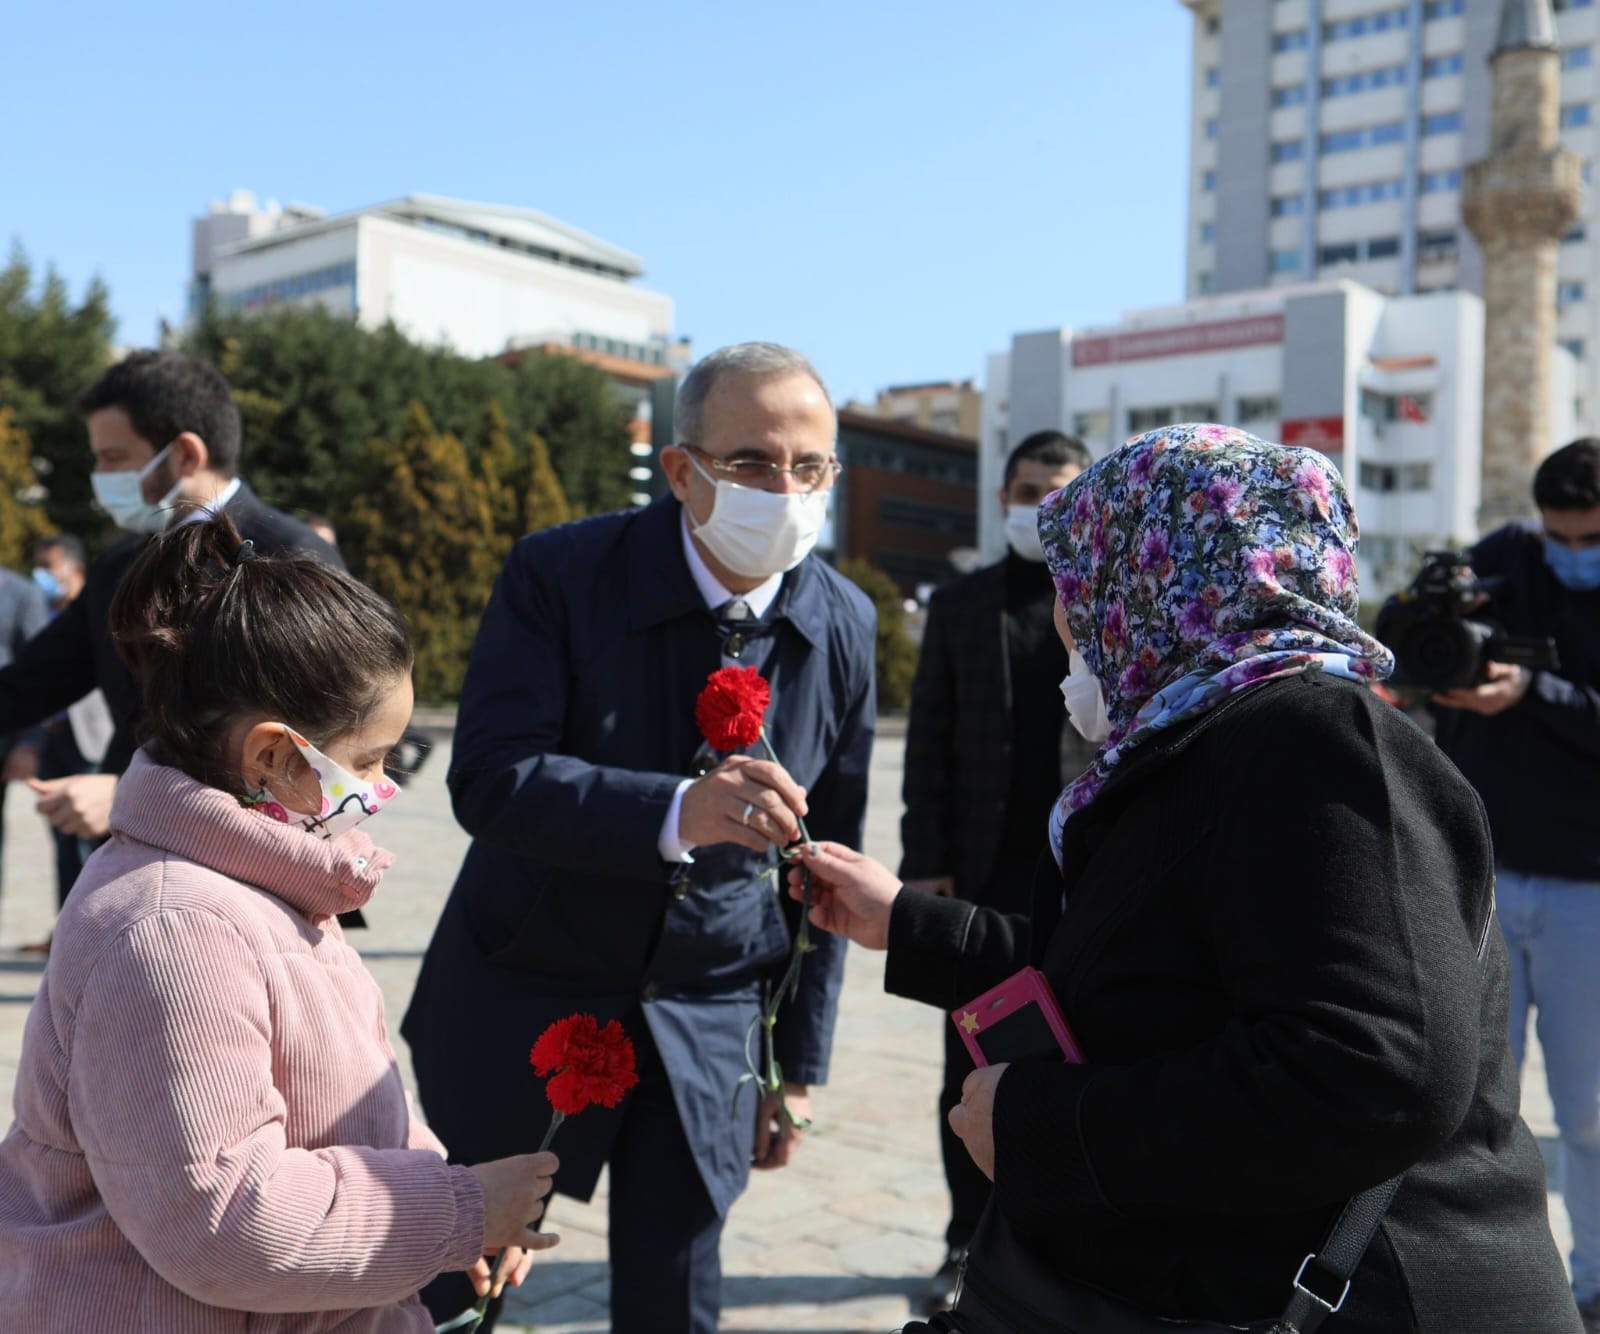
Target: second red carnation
{"type": "Point", "coordinates": [732, 708]}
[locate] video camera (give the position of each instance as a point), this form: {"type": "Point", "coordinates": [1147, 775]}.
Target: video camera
{"type": "Point", "coordinates": [1437, 645]}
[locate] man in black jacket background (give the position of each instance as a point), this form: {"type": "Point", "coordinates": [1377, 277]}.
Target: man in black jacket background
{"type": "Point", "coordinates": [987, 754]}
{"type": "Point", "coordinates": [1529, 741]}
{"type": "Point", "coordinates": [165, 432]}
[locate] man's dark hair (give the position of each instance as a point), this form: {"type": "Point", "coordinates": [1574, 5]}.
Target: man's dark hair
{"type": "Point", "coordinates": [1056, 448]}
{"type": "Point", "coordinates": [164, 395]}
{"type": "Point", "coordinates": [68, 545]}
{"type": "Point", "coordinates": [1569, 479]}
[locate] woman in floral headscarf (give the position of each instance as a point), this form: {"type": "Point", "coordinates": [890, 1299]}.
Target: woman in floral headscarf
{"type": "Point", "coordinates": [1267, 920]}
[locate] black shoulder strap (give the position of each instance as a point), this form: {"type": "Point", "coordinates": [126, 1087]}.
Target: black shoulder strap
{"type": "Point", "coordinates": [1351, 1234]}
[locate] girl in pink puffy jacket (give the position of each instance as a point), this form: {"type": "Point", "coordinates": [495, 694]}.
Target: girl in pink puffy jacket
{"type": "Point", "coordinates": [211, 1133]}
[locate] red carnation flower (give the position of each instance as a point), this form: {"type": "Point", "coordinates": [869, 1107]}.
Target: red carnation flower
{"type": "Point", "coordinates": [590, 1064]}
{"type": "Point", "coordinates": [732, 708]}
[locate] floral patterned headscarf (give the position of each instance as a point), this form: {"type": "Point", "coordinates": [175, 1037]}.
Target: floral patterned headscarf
{"type": "Point", "coordinates": [1195, 562]}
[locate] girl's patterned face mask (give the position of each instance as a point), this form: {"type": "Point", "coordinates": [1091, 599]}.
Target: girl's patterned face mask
{"type": "Point", "coordinates": [346, 799]}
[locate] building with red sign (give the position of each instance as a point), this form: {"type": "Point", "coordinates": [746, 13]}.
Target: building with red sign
{"type": "Point", "coordinates": [1390, 388]}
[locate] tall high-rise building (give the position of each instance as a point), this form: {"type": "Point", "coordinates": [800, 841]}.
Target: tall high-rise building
{"type": "Point", "coordinates": [1329, 140]}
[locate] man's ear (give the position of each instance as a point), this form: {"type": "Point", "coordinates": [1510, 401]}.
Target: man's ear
{"type": "Point", "coordinates": [677, 469]}
{"type": "Point", "coordinates": [189, 455]}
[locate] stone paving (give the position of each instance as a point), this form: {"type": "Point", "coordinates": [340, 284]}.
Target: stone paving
{"type": "Point", "coordinates": [840, 1240]}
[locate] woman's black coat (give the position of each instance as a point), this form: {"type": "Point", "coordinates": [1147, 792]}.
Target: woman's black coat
{"type": "Point", "coordinates": [1267, 946]}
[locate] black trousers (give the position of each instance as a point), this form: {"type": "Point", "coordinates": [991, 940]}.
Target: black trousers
{"type": "Point", "coordinates": [665, 1233]}
{"type": "Point", "coordinates": [1009, 890]}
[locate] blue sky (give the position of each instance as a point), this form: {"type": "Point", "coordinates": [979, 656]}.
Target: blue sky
{"type": "Point", "coordinates": [892, 187]}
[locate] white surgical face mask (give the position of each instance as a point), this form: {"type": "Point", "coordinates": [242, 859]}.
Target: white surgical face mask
{"type": "Point", "coordinates": [1022, 531]}
{"type": "Point", "coordinates": [121, 495]}
{"type": "Point", "coordinates": [758, 533]}
{"type": "Point", "coordinates": [1086, 701]}
{"type": "Point", "coordinates": [346, 799]}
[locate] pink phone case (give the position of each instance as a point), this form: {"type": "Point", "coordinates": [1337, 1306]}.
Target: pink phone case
{"type": "Point", "coordinates": [1028, 987]}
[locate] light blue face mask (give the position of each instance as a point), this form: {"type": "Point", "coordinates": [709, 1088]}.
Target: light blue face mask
{"type": "Point", "coordinates": [1578, 570]}
{"type": "Point", "coordinates": [48, 583]}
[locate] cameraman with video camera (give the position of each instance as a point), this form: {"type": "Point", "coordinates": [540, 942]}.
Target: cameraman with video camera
{"type": "Point", "coordinates": [1529, 740]}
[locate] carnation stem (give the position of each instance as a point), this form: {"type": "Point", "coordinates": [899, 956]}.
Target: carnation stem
{"type": "Point", "coordinates": [771, 1080]}
{"type": "Point", "coordinates": [468, 1321]}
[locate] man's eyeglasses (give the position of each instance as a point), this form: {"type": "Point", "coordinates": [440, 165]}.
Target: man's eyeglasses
{"type": "Point", "coordinates": [809, 476]}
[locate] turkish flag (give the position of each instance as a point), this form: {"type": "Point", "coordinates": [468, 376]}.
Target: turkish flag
{"type": "Point", "coordinates": [1411, 410]}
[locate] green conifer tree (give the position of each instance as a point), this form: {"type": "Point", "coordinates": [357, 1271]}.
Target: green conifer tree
{"type": "Point", "coordinates": [23, 520]}
{"type": "Point", "coordinates": [897, 655]}
{"type": "Point", "coordinates": [545, 502]}
{"type": "Point", "coordinates": [422, 534]}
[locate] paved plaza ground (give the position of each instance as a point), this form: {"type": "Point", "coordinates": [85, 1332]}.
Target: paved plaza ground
{"type": "Point", "coordinates": [838, 1241]}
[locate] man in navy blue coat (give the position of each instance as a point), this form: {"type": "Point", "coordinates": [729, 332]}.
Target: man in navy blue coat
{"type": "Point", "coordinates": [604, 877]}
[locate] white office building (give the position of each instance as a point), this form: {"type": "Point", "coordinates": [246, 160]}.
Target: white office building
{"type": "Point", "coordinates": [1328, 139]}
{"type": "Point", "coordinates": [481, 278]}
{"type": "Point", "coordinates": [1390, 388]}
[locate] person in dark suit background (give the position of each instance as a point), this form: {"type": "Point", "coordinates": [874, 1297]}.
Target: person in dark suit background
{"type": "Point", "coordinates": [987, 752]}
{"type": "Point", "coordinates": [165, 433]}
{"type": "Point", "coordinates": [603, 879]}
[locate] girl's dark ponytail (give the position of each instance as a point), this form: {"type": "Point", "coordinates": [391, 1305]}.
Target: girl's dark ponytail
{"type": "Point", "coordinates": [216, 632]}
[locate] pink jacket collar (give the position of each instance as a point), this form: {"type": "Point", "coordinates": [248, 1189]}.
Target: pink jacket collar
{"type": "Point", "coordinates": [165, 808]}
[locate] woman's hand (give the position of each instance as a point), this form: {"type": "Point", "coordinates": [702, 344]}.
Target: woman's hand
{"type": "Point", "coordinates": [517, 1264]}
{"type": "Point", "coordinates": [973, 1117]}
{"type": "Point", "coordinates": [513, 1200]}
{"type": "Point", "coordinates": [851, 894]}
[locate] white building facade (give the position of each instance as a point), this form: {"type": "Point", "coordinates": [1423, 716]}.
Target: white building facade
{"type": "Point", "coordinates": [1390, 388]}
{"type": "Point", "coordinates": [481, 278]}
{"type": "Point", "coordinates": [1328, 139]}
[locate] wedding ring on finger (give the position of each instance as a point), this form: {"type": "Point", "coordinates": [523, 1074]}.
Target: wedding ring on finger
{"type": "Point", "coordinates": [749, 810]}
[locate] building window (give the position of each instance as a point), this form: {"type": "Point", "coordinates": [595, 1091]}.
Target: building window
{"type": "Point", "coordinates": [1264, 408]}
{"type": "Point", "coordinates": [1208, 182]}
{"type": "Point", "coordinates": [1574, 346]}
{"type": "Point", "coordinates": [1561, 6]}
{"type": "Point", "coordinates": [1437, 182]}
{"type": "Point", "coordinates": [1575, 234]}
{"type": "Point", "coordinates": [1439, 67]}
{"type": "Point", "coordinates": [1148, 419]}
{"type": "Point", "coordinates": [1290, 95]}
{"type": "Point", "coordinates": [1288, 206]}
{"type": "Point", "coordinates": [1349, 196]}
{"type": "Point", "coordinates": [1286, 261]}
{"type": "Point", "coordinates": [1213, 76]}
{"type": "Point", "coordinates": [1395, 476]}
{"type": "Point", "coordinates": [1383, 247]}
{"type": "Point", "coordinates": [1298, 40]}
{"type": "Point", "coordinates": [1436, 247]}
{"type": "Point", "coordinates": [1574, 115]}
{"type": "Point", "coordinates": [1345, 141]}
{"type": "Point", "coordinates": [1569, 293]}
{"type": "Point", "coordinates": [1365, 81]}
{"type": "Point", "coordinates": [1205, 283]}
{"type": "Point", "coordinates": [1383, 21]}
{"type": "Point", "coordinates": [1208, 232]}
{"type": "Point", "coordinates": [1346, 252]}
{"type": "Point", "coordinates": [1443, 122]}
{"type": "Point", "coordinates": [1445, 9]}
{"type": "Point", "coordinates": [292, 288]}
{"type": "Point", "coordinates": [1211, 128]}
{"type": "Point", "coordinates": [1289, 150]}
{"type": "Point", "coordinates": [1577, 57]}
{"type": "Point", "coordinates": [1213, 25]}
{"type": "Point", "coordinates": [1094, 425]}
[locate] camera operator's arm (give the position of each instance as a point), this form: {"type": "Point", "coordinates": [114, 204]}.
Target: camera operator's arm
{"type": "Point", "coordinates": [1506, 687]}
{"type": "Point", "coordinates": [1568, 707]}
